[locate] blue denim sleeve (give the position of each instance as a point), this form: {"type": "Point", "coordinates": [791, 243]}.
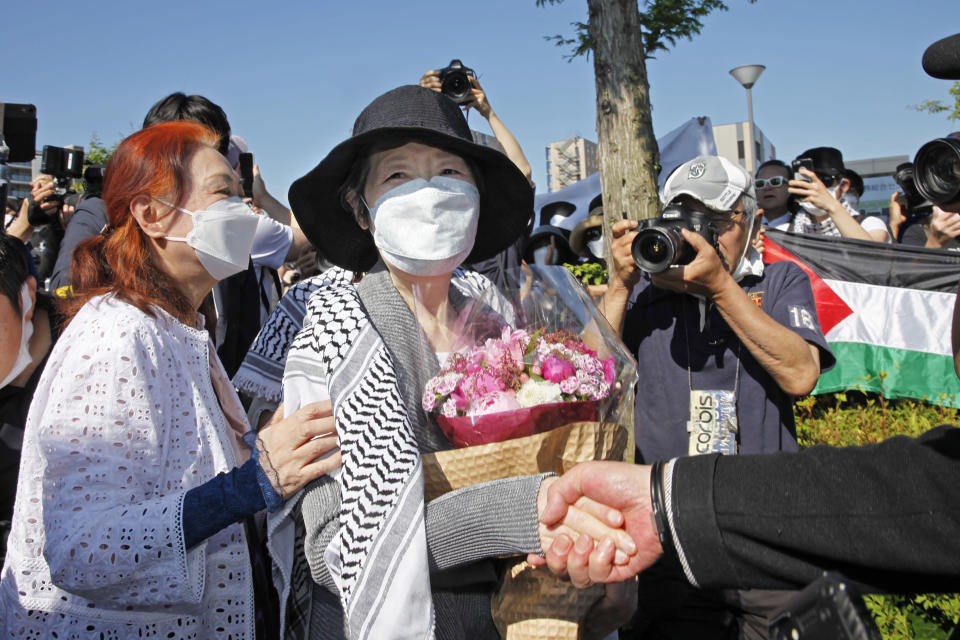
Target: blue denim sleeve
{"type": "Point", "coordinates": [221, 501]}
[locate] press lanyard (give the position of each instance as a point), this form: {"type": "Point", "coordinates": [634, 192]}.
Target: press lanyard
{"type": "Point", "coordinates": [712, 423]}
{"type": "Point", "coordinates": [686, 343]}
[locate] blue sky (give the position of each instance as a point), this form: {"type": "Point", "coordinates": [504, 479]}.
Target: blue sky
{"type": "Point", "coordinates": [292, 76]}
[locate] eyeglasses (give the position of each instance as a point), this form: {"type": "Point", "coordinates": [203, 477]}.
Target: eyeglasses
{"type": "Point", "coordinates": [775, 181]}
{"type": "Point", "coordinates": [723, 221]}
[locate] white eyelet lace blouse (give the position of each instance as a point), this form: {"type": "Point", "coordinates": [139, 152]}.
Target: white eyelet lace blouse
{"type": "Point", "coordinates": [124, 421]}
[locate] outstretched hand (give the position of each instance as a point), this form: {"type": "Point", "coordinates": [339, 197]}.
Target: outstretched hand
{"type": "Point", "coordinates": [296, 447]}
{"type": "Point", "coordinates": [618, 485]}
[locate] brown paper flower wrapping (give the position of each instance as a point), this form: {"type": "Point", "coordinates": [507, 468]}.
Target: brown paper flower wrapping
{"type": "Point", "coordinates": [531, 604]}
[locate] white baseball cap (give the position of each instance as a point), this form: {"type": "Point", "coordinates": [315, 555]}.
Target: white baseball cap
{"type": "Point", "coordinates": [714, 181]}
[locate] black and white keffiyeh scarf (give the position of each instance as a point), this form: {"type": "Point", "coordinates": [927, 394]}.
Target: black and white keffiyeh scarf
{"type": "Point", "coordinates": [261, 372]}
{"type": "Point", "coordinates": [364, 345]}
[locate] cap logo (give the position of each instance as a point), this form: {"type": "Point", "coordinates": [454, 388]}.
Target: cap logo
{"type": "Point", "coordinates": [697, 169]}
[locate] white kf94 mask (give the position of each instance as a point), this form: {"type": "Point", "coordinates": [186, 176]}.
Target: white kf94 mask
{"type": "Point", "coordinates": [222, 236]}
{"type": "Point", "coordinates": [427, 228]}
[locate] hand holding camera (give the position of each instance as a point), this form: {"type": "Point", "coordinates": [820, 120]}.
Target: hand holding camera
{"type": "Point", "coordinates": [659, 243]}
{"type": "Point", "coordinates": [705, 275]}
{"type": "Point", "coordinates": [809, 188]}
{"type": "Point", "coordinates": [45, 205]}
{"type": "Point", "coordinates": [459, 83]}
{"type": "Point", "coordinates": [943, 228]}
{"type": "Point", "coordinates": [478, 99]}
{"type": "Point", "coordinates": [624, 269]}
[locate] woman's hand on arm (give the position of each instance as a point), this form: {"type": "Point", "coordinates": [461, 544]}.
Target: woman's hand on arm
{"type": "Point", "coordinates": [293, 446]}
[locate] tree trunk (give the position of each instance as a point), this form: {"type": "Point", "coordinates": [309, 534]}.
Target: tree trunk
{"type": "Point", "coordinates": [629, 156]}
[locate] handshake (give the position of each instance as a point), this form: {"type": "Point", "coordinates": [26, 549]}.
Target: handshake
{"type": "Point", "coordinates": [617, 494]}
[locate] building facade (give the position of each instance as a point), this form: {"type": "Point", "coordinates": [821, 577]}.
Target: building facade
{"type": "Point", "coordinates": [569, 161]}
{"type": "Point", "coordinates": [21, 173]}
{"type": "Point", "coordinates": [878, 182]}
{"type": "Point", "coordinates": [731, 141]}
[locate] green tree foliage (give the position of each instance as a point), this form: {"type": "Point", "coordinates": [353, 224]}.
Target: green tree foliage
{"type": "Point", "coordinates": [952, 110]}
{"type": "Point", "coordinates": [663, 22]}
{"type": "Point", "coordinates": [621, 35]}
{"type": "Point", "coordinates": [97, 152]}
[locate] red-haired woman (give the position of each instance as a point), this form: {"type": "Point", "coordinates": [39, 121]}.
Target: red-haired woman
{"type": "Point", "coordinates": [135, 489]}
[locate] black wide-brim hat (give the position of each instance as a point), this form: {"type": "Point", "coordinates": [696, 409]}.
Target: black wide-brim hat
{"type": "Point", "coordinates": [408, 114]}
{"type": "Point", "coordinates": [826, 161]}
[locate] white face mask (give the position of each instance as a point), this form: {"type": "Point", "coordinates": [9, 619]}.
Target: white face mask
{"type": "Point", "coordinates": [851, 199]}
{"type": "Point", "coordinates": [595, 247]}
{"type": "Point", "coordinates": [427, 228]}
{"type": "Point", "coordinates": [817, 211]}
{"type": "Point", "coordinates": [26, 332]}
{"type": "Point", "coordinates": [222, 236]}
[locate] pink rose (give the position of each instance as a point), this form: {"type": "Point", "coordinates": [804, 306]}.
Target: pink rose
{"type": "Point", "coordinates": [610, 370]}
{"type": "Point", "coordinates": [488, 383]}
{"type": "Point", "coordinates": [557, 370]}
{"type": "Point", "coordinates": [459, 399]}
{"type": "Point", "coordinates": [495, 403]}
{"type": "Point", "coordinates": [493, 351]}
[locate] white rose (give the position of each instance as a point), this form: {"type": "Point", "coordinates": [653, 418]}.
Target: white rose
{"type": "Point", "coordinates": [534, 392]}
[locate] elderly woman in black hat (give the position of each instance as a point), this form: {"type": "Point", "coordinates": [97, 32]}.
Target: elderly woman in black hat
{"type": "Point", "coordinates": [405, 200]}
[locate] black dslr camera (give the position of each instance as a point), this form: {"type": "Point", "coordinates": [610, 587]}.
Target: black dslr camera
{"type": "Point", "coordinates": [455, 81]}
{"type": "Point", "coordinates": [937, 172]}
{"type": "Point", "coordinates": [916, 205]}
{"type": "Point", "coordinates": [64, 166]}
{"type": "Point", "coordinates": [659, 244]}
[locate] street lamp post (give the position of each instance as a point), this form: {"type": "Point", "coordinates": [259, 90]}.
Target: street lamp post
{"type": "Point", "coordinates": [747, 75]}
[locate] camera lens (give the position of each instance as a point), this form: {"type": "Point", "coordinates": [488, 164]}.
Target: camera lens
{"type": "Point", "coordinates": [937, 170]}
{"type": "Point", "coordinates": [457, 86]}
{"type": "Point", "coordinates": [654, 249]}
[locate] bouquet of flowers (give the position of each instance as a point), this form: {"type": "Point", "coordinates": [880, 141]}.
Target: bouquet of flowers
{"type": "Point", "coordinates": [517, 385]}
{"type": "Point", "coordinates": [536, 381]}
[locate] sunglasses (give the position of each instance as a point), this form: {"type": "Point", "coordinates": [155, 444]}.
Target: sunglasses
{"type": "Point", "coordinates": [775, 181]}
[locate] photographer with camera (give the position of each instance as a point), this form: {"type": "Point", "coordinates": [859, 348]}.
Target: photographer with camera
{"type": "Point", "coordinates": [472, 96]}
{"type": "Point", "coordinates": [732, 342]}
{"type": "Point", "coordinates": [48, 214]}
{"type": "Point", "coordinates": [882, 514]}
{"type": "Point", "coordinates": [819, 183]}
{"type": "Point", "coordinates": [460, 84]}
{"type": "Point", "coordinates": [87, 220]}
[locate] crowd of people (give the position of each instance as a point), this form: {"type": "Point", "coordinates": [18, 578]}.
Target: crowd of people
{"type": "Point", "coordinates": [211, 409]}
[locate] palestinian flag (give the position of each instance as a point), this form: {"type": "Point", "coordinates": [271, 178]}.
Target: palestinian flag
{"type": "Point", "coordinates": [885, 310]}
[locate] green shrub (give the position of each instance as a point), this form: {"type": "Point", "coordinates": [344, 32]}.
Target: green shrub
{"type": "Point", "coordinates": [854, 418]}
{"type": "Point", "coordinates": [589, 272]}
